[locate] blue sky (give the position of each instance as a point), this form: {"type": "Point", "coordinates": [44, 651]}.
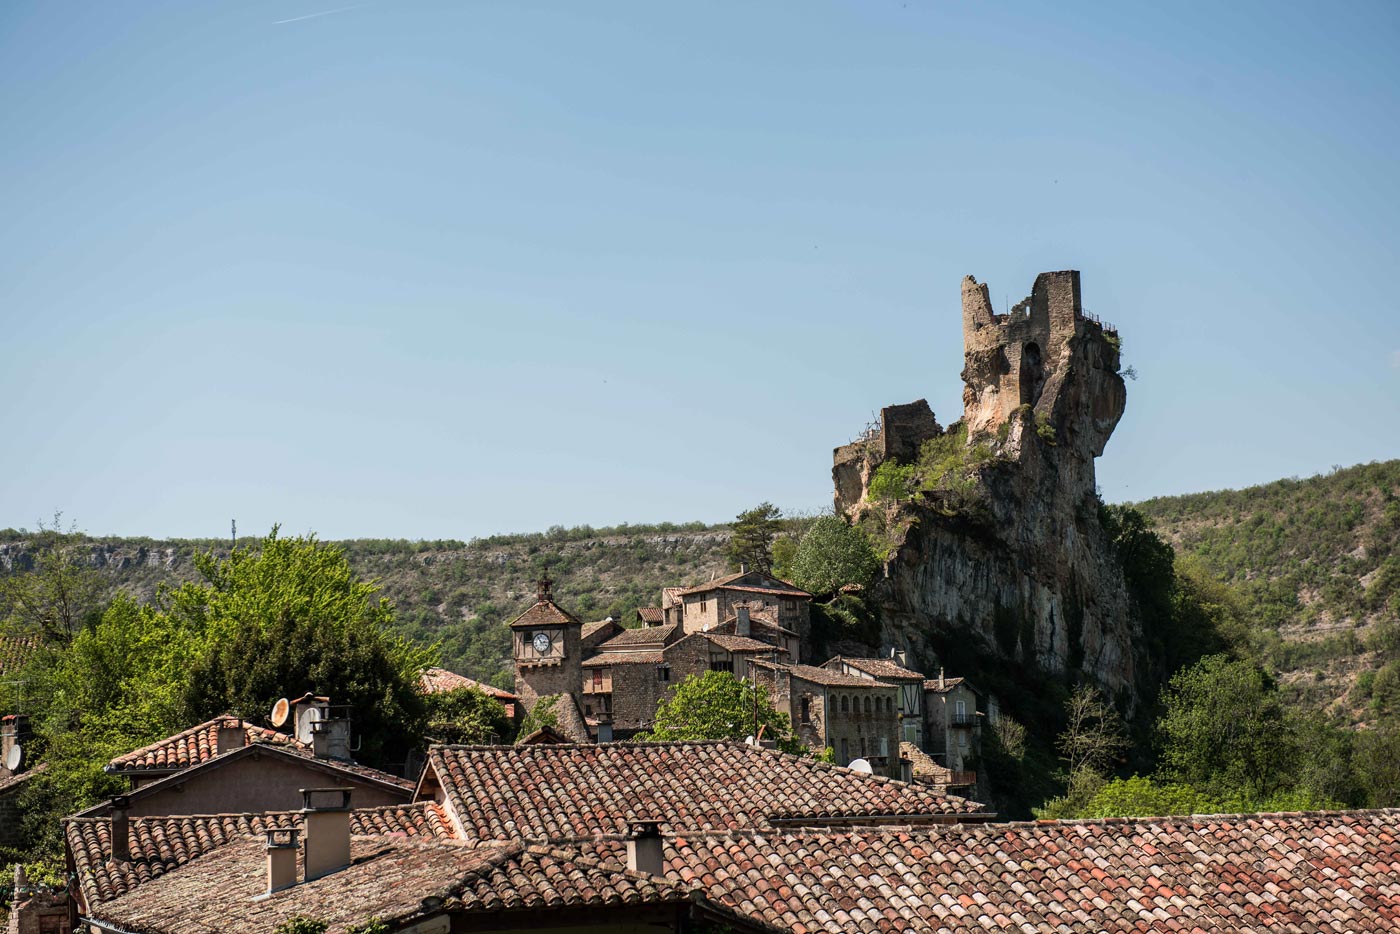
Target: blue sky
{"type": "Point", "coordinates": [442, 269]}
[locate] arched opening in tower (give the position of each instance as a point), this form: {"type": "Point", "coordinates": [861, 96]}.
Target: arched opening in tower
{"type": "Point", "coordinates": [1032, 373]}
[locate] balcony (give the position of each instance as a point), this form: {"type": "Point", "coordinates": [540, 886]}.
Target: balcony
{"type": "Point", "coordinates": [961, 779]}
{"type": "Point", "coordinates": [962, 721]}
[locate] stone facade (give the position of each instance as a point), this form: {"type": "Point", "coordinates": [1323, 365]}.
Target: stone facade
{"type": "Point", "coordinates": [547, 643]}
{"type": "Point", "coordinates": [702, 608]}
{"type": "Point", "coordinates": [857, 718]}
{"type": "Point", "coordinates": [954, 725]}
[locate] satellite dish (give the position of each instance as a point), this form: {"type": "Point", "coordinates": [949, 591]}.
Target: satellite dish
{"type": "Point", "coordinates": [750, 741]}
{"type": "Point", "coordinates": [860, 765]}
{"type": "Point", "coordinates": [281, 711]}
{"type": "Point", "coordinates": [14, 758]}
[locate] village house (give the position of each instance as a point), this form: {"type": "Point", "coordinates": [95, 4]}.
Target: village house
{"type": "Point", "coordinates": [440, 680]}
{"type": "Point", "coordinates": [892, 671]}
{"type": "Point", "coordinates": [852, 716]}
{"type": "Point", "coordinates": [701, 608]}
{"type": "Point", "coordinates": [954, 727]}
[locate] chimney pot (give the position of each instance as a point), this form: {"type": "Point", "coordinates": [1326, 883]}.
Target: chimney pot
{"type": "Point", "coordinates": [281, 858]}
{"type": "Point", "coordinates": [644, 848]}
{"type": "Point", "coordinates": [121, 829]}
{"type": "Point", "coordinates": [327, 843]}
{"type": "Point", "coordinates": [231, 736]}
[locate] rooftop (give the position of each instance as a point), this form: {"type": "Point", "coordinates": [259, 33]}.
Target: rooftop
{"type": "Point", "coordinates": [565, 792]}
{"type": "Point", "coordinates": [191, 747]}
{"type": "Point", "coordinates": [947, 684]}
{"type": "Point", "coordinates": [545, 613]}
{"type": "Point", "coordinates": [650, 635]}
{"type": "Point", "coordinates": [823, 676]}
{"type": "Point", "coordinates": [739, 582]}
{"type": "Point", "coordinates": [440, 680]}
{"type": "Point", "coordinates": [886, 668]}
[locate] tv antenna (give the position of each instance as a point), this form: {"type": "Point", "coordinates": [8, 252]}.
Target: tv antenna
{"type": "Point", "coordinates": [233, 533]}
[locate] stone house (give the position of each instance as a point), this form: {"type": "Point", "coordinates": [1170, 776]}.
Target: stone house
{"type": "Point", "coordinates": [440, 680]}
{"type": "Point", "coordinates": [856, 717]}
{"type": "Point", "coordinates": [547, 645]}
{"type": "Point", "coordinates": [953, 727]}
{"type": "Point", "coordinates": [704, 607]}
{"type": "Point", "coordinates": [909, 683]}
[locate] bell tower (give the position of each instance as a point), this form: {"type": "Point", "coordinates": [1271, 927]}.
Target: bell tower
{"type": "Point", "coordinates": [546, 641]}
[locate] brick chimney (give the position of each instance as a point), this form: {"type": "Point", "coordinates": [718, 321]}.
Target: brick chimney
{"type": "Point", "coordinates": [327, 845]}
{"type": "Point", "coordinates": [231, 735]}
{"type": "Point", "coordinates": [330, 739]}
{"type": "Point", "coordinates": [644, 848]}
{"type": "Point", "coordinates": [14, 731]}
{"type": "Point", "coordinates": [121, 829]}
{"type": "Point", "coordinates": [281, 858]}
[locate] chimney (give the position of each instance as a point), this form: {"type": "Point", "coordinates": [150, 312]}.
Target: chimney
{"type": "Point", "coordinates": [743, 626]}
{"type": "Point", "coordinates": [281, 858]}
{"type": "Point", "coordinates": [330, 739]}
{"type": "Point", "coordinates": [327, 830]}
{"type": "Point", "coordinates": [941, 683]}
{"type": "Point", "coordinates": [231, 736]}
{"type": "Point", "coordinates": [605, 731]}
{"type": "Point", "coordinates": [644, 847]}
{"type": "Point", "coordinates": [121, 829]}
{"type": "Point", "coordinates": [901, 658]}
{"type": "Point", "coordinates": [906, 770]}
{"type": "Point", "coordinates": [308, 709]}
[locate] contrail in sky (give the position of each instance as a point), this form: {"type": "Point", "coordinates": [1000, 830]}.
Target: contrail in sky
{"type": "Point", "coordinates": [297, 19]}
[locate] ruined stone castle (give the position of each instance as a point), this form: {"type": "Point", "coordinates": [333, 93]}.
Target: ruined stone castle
{"type": "Point", "coordinates": [1031, 577]}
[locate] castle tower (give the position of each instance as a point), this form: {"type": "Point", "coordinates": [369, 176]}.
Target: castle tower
{"type": "Point", "coordinates": [547, 648]}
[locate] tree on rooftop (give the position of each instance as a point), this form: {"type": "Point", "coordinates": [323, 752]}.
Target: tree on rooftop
{"type": "Point", "coordinates": [717, 705]}
{"type": "Point", "coordinates": [751, 542]}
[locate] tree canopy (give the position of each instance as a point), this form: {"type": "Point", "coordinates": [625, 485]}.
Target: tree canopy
{"type": "Point", "coordinates": [831, 555]}
{"type": "Point", "coordinates": [751, 541]}
{"type": "Point", "coordinates": [717, 705]}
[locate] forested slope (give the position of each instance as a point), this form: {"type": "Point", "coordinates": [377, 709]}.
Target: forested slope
{"type": "Point", "coordinates": [1315, 567]}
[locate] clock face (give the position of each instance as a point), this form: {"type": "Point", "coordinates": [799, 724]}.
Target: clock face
{"type": "Point", "coordinates": [541, 643]}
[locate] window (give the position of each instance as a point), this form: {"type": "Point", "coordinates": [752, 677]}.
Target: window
{"type": "Point", "coordinates": [884, 745]}
{"type": "Point", "coordinates": [721, 665]}
{"type": "Point", "coordinates": [862, 745]}
{"type": "Point", "coordinates": [703, 605]}
{"type": "Point", "coordinates": [845, 753]}
{"type": "Point", "coordinates": [960, 709]}
{"type": "Point", "coordinates": [867, 705]}
{"type": "Point", "coordinates": [790, 606]}
{"type": "Point", "coordinates": [663, 673]}
{"type": "Point", "coordinates": [597, 679]}
{"type": "Point", "coordinates": [845, 704]}
{"type": "Point", "coordinates": [889, 705]}
{"type": "Point", "coordinates": [806, 710]}
{"type": "Point", "coordinates": [588, 710]}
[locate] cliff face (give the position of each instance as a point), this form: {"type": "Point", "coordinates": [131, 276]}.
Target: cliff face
{"type": "Point", "coordinates": [1018, 567]}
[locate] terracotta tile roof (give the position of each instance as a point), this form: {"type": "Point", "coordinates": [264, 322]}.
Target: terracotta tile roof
{"type": "Point", "coordinates": [598, 632]}
{"type": "Point", "coordinates": [564, 792]}
{"type": "Point", "coordinates": [159, 844]}
{"type": "Point", "coordinates": [545, 613]}
{"type": "Point", "coordinates": [388, 879]}
{"type": "Point", "coordinates": [440, 680]}
{"type": "Point", "coordinates": [824, 676]}
{"type": "Point", "coordinates": [948, 684]}
{"type": "Point", "coordinates": [651, 615]}
{"type": "Point", "coordinates": [758, 624]}
{"type": "Point", "coordinates": [737, 643]}
{"type": "Point", "coordinates": [670, 596]}
{"type": "Point", "coordinates": [879, 668]}
{"type": "Point", "coordinates": [8, 785]}
{"type": "Point", "coordinates": [730, 582]}
{"type": "Point", "coordinates": [193, 746]}
{"type": "Point", "coordinates": [605, 659]}
{"type": "Point", "coordinates": [1243, 873]}
{"type": "Point", "coordinates": [16, 650]}
{"type": "Point", "coordinates": [650, 635]}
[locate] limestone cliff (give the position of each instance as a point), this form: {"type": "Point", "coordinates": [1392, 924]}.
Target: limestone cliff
{"type": "Point", "coordinates": [1012, 561]}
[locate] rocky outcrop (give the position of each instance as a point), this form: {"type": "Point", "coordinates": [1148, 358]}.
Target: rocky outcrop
{"type": "Point", "coordinates": [1020, 568]}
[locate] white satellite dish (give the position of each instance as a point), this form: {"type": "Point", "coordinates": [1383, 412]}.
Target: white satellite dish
{"type": "Point", "coordinates": [860, 765]}
{"type": "Point", "coordinates": [750, 741]}
{"type": "Point", "coordinates": [14, 758]}
{"type": "Point", "coordinates": [281, 711]}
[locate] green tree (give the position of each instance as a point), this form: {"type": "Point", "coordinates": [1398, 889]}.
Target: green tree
{"type": "Point", "coordinates": [57, 597]}
{"type": "Point", "coordinates": [293, 617]}
{"type": "Point", "coordinates": [542, 715]}
{"type": "Point", "coordinates": [831, 555]}
{"type": "Point", "coordinates": [1378, 764]}
{"type": "Point", "coordinates": [466, 715]}
{"type": "Point", "coordinates": [1225, 728]}
{"type": "Point", "coordinates": [717, 705]}
{"type": "Point", "coordinates": [751, 541]}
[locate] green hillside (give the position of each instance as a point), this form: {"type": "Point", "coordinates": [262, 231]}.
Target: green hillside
{"type": "Point", "coordinates": [1315, 566]}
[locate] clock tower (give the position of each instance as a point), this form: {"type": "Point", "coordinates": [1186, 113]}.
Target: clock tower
{"type": "Point", "coordinates": [548, 653]}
